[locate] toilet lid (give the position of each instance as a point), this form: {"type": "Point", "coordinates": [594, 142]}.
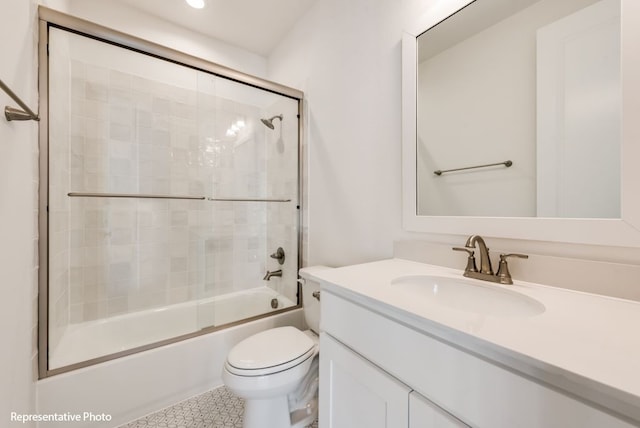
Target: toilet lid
{"type": "Point", "coordinates": [270, 348]}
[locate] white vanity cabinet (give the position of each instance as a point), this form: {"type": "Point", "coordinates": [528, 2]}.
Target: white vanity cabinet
{"type": "Point", "coordinates": [356, 393]}
{"type": "Point", "coordinates": [424, 414]}
{"type": "Point", "coordinates": [378, 371]}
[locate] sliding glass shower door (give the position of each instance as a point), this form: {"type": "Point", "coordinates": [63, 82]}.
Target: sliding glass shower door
{"type": "Point", "coordinates": [169, 188]}
{"type": "Point", "coordinates": [251, 173]}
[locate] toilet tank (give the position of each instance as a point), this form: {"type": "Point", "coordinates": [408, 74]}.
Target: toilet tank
{"type": "Point", "coordinates": [310, 304]}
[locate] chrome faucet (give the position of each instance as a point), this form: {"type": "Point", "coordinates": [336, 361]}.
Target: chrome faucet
{"type": "Point", "coordinates": [269, 274]}
{"type": "Point", "coordinates": [503, 276]}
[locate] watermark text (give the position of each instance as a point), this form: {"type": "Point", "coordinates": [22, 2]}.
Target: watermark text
{"type": "Point", "coordinates": [59, 417]}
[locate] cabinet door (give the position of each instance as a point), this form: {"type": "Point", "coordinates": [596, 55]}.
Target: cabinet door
{"type": "Point", "coordinates": [425, 414]}
{"type": "Point", "coordinates": [356, 394]}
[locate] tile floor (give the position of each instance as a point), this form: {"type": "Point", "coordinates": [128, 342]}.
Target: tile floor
{"type": "Point", "coordinates": [218, 408]}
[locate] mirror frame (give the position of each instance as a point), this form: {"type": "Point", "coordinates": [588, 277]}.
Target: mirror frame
{"type": "Point", "coordinates": [623, 232]}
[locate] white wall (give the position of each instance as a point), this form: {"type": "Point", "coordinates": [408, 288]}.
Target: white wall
{"type": "Point", "coordinates": [131, 21]}
{"type": "Point", "coordinates": [346, 57]}
{"type": "Point", "coordinates": [18, 233]}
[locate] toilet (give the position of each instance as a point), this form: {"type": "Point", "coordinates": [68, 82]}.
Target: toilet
{"type": "Point", "coordinates": [276, 371]}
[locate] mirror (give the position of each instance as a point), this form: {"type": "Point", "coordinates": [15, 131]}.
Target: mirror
{"type": "Point", "coordinates": [539, 90]}
{"type": "Point", "coordinates": [531, 88]}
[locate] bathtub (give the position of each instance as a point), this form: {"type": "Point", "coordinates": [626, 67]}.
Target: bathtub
{"type": "Point", "coordinates": [136, 385]}
{"type": "Point", "coordinates": [92, 339]}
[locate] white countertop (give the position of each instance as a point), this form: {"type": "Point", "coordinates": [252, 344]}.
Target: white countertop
{"type": "Point", "coordinates": [584, 344]}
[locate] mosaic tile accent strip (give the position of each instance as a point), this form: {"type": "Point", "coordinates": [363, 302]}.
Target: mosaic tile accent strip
{"type": "Point", "coordinates": [218, 408]}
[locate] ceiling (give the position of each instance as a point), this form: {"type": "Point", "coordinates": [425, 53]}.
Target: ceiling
{"type": "Point", "coordinates": [254, 25]}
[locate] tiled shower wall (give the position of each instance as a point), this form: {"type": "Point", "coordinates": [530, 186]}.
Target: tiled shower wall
{"type": "Point", "coordinates": [119, 132]}
{"type": "Point", "coordinates": [133, 254]}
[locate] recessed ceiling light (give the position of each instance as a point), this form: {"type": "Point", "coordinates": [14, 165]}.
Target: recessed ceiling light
{"type": "Point", "coordinates": [196, 4]}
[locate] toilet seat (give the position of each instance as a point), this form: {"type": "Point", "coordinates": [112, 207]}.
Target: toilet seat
{"type": "Point", "coordinates": [270, 352]}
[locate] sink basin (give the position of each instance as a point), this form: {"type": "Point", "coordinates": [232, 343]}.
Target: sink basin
{"type": "Point", "coordinates": [469, 296]}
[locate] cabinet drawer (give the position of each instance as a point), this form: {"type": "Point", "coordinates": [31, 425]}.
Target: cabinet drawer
{"type": "Point", "coordinates": [480, 394]}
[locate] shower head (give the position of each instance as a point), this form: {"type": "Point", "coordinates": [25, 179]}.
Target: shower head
{"type": "Point", "coordinates": [269, 122]}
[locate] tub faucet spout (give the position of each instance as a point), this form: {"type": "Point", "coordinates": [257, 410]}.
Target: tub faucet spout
{"type": "Point", "coordinates": [269, 274]}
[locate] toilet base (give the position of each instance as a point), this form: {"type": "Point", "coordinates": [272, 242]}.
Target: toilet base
{"type": "Point", "coordinates": [274, 413]}
{"type": "Point", "coordinates": [267, 413]}
{"type": "Point", "coordinates": [302, 418]}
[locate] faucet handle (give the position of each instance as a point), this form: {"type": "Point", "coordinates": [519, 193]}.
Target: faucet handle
{"type": "Point", "coordinates": [278, 255]}
{"type": "Point", "coordinates": [520, 256]}
{"type": "Point", "coordinates": [503, 269]}
{"type": "Point", "coordinates": [471, 260]}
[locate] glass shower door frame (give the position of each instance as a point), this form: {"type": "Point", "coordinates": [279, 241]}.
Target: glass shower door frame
{"type": "Point", "coordinates": [49, 18]}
